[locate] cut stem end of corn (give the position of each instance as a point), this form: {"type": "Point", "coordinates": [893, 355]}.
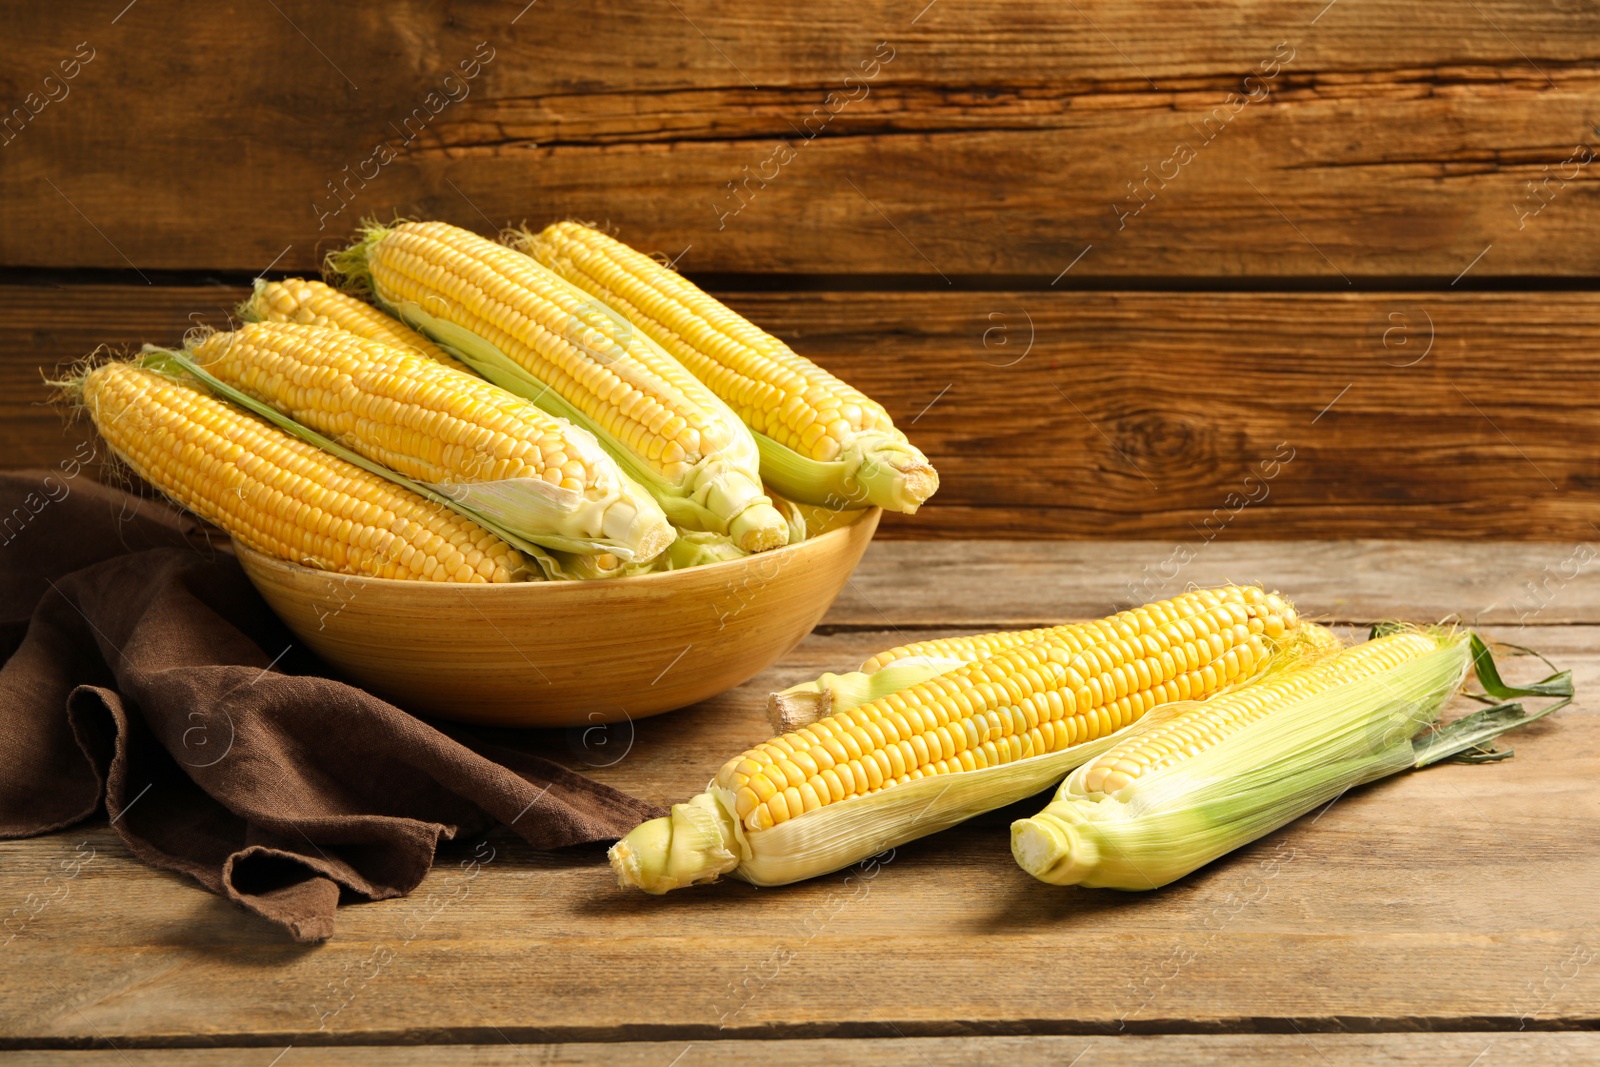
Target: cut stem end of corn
{"type": "Point", "coordinates": [803, 704]}
{"type": "Point", "coordinates": [1050, 849]}
{"type": "Point", "coordinates": [797, 707]}
{"type": "Point", "coordinates": [759, 528]}
{"type": "Point", "coordinates": [897, 478]}
{"type": "Point", "coordinates": [689, 846]}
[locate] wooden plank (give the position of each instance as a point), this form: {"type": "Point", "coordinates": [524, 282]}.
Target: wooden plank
{"type": "Point", "coordinates": [910, 585]}
{"type": "Point", "coordinates": [1160, 415]}
{"type": "Point", "coordinates": [1394, 140]}
{"type": "Point", "coordinates": [1195, 418]}
{"type": "Point", "coordinates": [1459, 898]}
{"type": "Point", "coordinates": [1335, 1050]}
{"type": "Point", "coordinates": [45, 329]}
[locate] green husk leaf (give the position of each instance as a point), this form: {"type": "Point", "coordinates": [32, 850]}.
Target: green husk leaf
{"type": "Point", "coordinates": [1467, 739]}
{"type": "Point", "coordinates": [1484, 754]}
{"type": "Point", "coordinates": [1556, 685]}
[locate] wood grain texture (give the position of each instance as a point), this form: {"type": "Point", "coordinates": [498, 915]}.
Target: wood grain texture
{"type": "Point", "coordinates": [920, 584]}
{"type": "Point", "coordinates": [1396, 139]}
{"type": "Point", "coordinates": [1387, 912]}
{"type": "Point", "coordinates": [1193, 418]}
{"type": "Point", "coordinates": [1334, 1050]}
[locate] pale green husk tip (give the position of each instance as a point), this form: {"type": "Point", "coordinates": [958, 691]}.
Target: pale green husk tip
{"type": "Point", "coordinates": [681, 849]}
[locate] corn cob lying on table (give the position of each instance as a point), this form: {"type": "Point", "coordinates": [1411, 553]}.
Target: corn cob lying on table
{"type": "Point", "coordinates": [1196, 781]}
{"type": "Point", "coordinates": [1190, 780]}
{"type": "Point", "coordinates": [1267, 616]}
{"type": "Point", "coordinates": [991, 731]}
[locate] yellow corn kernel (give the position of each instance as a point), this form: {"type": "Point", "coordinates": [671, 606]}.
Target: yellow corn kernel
{"type": "Point", "coordinates": [313, 303]}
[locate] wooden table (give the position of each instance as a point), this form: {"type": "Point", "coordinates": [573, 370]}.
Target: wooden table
{"type": "Point", "coordinates": [1442, 917]}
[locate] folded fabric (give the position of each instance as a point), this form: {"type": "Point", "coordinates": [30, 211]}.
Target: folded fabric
{"type": "Point", "coordinates": [144, 675]}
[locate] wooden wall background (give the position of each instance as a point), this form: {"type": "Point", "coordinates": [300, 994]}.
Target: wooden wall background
{"type": "Point", "coordinates": [1360, 303]}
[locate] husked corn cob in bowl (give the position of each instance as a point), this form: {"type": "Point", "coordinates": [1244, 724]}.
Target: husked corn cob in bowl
{"type": "Point", "coordinates": [277, 494]}
{"type": "Point", "coordinates": [314, 303]}
{"type": "Point", "coordinates": [538, 476]}
{"type": "Point", "coordinates": [534, 334]}
{"type": "Point", "coordinates": [981, 733]}
{"type": "Point", "coordinates": [821, 441]}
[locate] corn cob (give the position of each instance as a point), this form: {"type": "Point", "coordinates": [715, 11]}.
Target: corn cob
{"type": "Point", "coordinates": [313, 303]}
{"type": "Point", "coordinates": [278, 494]}
{"type": "Point", "coordinates": [532, 333]}
{"type": "Point", "coordinates": [977, 737]}
{"type": "Point", "coordinates": [1197, 781]}
{"type": "Point", "coordinates": [896, 668]}
{"type": "Point", "coordinates": [822, 442]}
{"type": "Point", "coordinates": [536, 475]}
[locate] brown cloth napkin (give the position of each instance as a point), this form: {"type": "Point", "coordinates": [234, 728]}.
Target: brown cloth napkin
{"type": "Point", "coordinates": [143, 673]}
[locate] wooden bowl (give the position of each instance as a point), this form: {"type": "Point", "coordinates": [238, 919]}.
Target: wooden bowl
{"type": "Point", "coordinates": [563, 653]}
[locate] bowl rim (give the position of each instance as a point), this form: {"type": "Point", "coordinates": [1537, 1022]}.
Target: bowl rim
{"type": "Point", "coordinates": [262, 559]}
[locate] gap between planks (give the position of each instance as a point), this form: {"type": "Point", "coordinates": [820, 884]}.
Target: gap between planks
{"type": "Point", "coordinates": [1334, 1050]}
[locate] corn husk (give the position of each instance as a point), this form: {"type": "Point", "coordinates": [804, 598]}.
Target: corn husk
{"type": "Point", "coordinates": [625, 522]}
{"type": "Point", "coordinates": [1303, 754]}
